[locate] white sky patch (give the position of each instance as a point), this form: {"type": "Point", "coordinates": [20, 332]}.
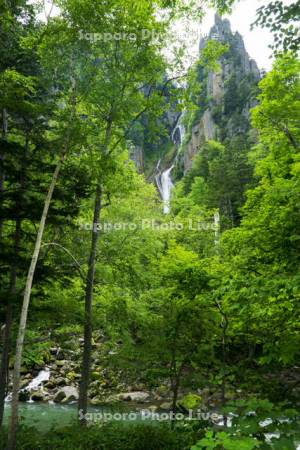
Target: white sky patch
{"type": "Point", "coordinates": [257, 41]}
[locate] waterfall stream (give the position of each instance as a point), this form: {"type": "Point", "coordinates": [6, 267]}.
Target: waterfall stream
{"type": "Point", "coordinates": [163, 178]}
{"type": "Point", "coordinates": [37, 382]}
{"type": "Point", "coordinates": [165, 186]}
{"type": "Point", "coordinates": [179, 129]}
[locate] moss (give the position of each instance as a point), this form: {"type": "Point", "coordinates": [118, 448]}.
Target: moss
{"type": "Point", "coordinates": [191, 401]}
{"type": "Point", "coordinates": [73, 376]}
{"type": "Point", "coordinates": [96, 376]}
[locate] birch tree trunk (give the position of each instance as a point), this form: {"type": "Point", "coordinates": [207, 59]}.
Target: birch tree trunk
{"type": "Point", "coordinates": [24, 312]}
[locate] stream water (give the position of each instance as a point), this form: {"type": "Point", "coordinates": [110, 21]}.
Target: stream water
{"type": "Point", "coordinates": [45, 416]}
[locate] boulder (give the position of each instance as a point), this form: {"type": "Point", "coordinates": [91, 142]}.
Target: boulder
{"type": "Point", "coordinates": [38, 396]}
{"type": "Point", "coordinates": [190, 401]}
{"type": "Point", "coordinates": [61, 362]}
{"type": "Point", "coordinates": [73, 376]}
{"type": "Point", "coordinates": [96, 401]}
{"type": "Point", "coordinates": [137, 396]}
{"type": "Point", "coordinates": [167, 406]}
{"type": "Point", "coordinates": [139, 387]}
{"type": "Point", "coordinates": [23, 383]}
{"type": "Point", "coordinates": [24, 396]}
{"type": "Point", "coordinates": [60, 381]}
{"type": "Point", "coordinates": [162, 390]}
{"type": "Point", "coordinates": [60, 355]}
{"type": "Point", "coordinates": [59, 396]}
{"type": "Point", "coordinates": [96, 376]}
{"type": "Point", "coordinates": [54, 350]}
{"type": "Point", "coordinates": [28, 376]}
{"type": "Point", "coordinates": [50, 384]}
{"type": "Point", "coordinates": [66, 394]}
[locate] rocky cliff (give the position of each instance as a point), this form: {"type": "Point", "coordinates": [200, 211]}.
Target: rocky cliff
{"type": "Point", "coordinates": [229, 93]}
{"type": "Point", "coordinates": [151, 137]}
{"type": "Point", "coordinates": [226, 97]}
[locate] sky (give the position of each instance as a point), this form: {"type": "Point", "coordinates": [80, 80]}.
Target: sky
{"type": "Point", "coordinates": [257, 41]}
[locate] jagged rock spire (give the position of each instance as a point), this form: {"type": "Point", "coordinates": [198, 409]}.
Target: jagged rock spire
{"type": "Point", "coordinates": [221, 26]}
{"type": "Point", "coordinates": [218, 19]}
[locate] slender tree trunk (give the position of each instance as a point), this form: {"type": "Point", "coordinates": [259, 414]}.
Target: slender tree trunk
{"type": "Point", "coordinates": [4, 371]}
{"type": "Point", "coordinates": [224, 326]}
{"type": "Point", "coordinates": [5, 359]}
{"type": "Point", "coordinates": [175, 389]}
{"type": "Point", "coordinates": [175, 380]}
{"type": "Point", "coordinates": [251, 351]}
{"type": "Point", "coordinates": [24, 312]}
{"type": "Point", "coordinates": [2, 177]}
{"type": "Point", "coordinates": [89, 288]}
{"type": "Point", "coordinates": [88, 322]}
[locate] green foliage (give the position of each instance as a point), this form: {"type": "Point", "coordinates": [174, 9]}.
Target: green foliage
{"type": "Point", "coordinates": [252, 420]}
{"type": "Point", "coordinates": [283, 21]}
{"type": "Point", "coordinates": [263, 246]}
{"type": "Point", "coordinates": [225, 441]}
{"type": "Point", "coordinates": [223, 5]}
{"type": "Point", "coordinates": [211, 55]}
{"type": "Point", "coordinates": [111, 436]}
{"type": "Point", "coordinates": [218, 179]}
{"type": "Point", "coordinates": [37, 352]}
{"type": "Point", "coordinates": [193, 304]}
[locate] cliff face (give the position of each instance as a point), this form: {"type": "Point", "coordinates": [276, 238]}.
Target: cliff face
{"type": "Point", "coordinates": [202, 132]}
{"type": "Point", "coordinates": [137, 155]}
{"type": "Point", "coordinates": [152, 141]}
{"type": "Point", "coordinates": [223, 114]}
{"type": "Point", "coordinates": [229, 95]}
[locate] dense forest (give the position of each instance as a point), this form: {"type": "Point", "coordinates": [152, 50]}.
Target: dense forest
{"type": "Point", "coordinates": [149, 229]}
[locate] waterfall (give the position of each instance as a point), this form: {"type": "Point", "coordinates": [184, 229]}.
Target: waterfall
{"type": "Point", "coordinates": [217, 227]}
{"type": "Point", "coordinates": [43, 375]}
{"type": "Point", "coordinates": [179, 128]}
{"type": "Point", "coordinates": [37, 382]}
{"type": "Point", "coordinates": [167, 186]}
{"type": "Point", "coordinates": [163, 179]}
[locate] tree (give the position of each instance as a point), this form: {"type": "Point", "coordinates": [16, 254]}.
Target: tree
{"type": "Point", "coordinates": [265, 281]}
{"type": "Point", "coordinates": [22, 107]}
{"type": "Point", "coordinates": [67, 132]}
{"type": "Point", "coordinates": [174, 325]}
{"type": "Point", "coordinates": [127, 84]}
{"type": "Point", "coordinates": [283, 21]}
